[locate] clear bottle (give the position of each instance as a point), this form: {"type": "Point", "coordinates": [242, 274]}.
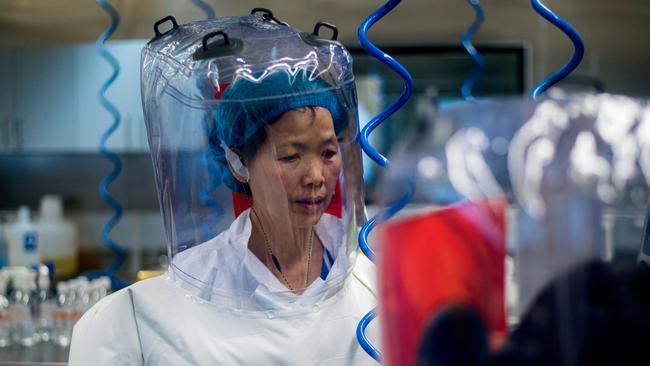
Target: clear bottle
{"type": "Point", "coordinates": [20, 309]}
{"type": "Point", "coordinates": [60, 314]}
{"type": "Point", "coordinates": [45, 306]}
{"type": "Point", "coordinates": [95, 291]}
{"type": "Point", "coordinates": [99, 289]}
{"type": "Point", "coordinates": [83, 296]}
{"type": "Point", "coordinates": [71, 305]}
{"type": "Point", "coordinates": [5, 319]}
{"type": "Point", "coordinates": [106, 286]}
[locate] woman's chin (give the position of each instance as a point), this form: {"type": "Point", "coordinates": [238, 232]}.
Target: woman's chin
{"type": "Point", "coordinates": [307, 219]}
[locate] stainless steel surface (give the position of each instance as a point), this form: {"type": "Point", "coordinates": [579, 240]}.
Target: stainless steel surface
{"type": "Point", "coordinates": [43, 353]}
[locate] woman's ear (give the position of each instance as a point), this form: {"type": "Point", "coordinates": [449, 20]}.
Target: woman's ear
{"type": "Point", "coordinates": [236, 165]}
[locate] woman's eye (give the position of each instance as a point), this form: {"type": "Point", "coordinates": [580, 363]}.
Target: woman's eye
{"type": "Point", "coordinates": [329, 154]}
{"type": "Point", "coordinates": [289, 158]}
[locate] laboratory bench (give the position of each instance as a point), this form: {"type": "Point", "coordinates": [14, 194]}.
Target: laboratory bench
{"type": "Point", "coordinates": [41, 354]}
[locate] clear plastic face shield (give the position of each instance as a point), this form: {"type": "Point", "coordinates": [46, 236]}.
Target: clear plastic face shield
{"type": "Point", "coordinates": [516, 210]}
{"type": "Point", "coordinates": [252, 132]}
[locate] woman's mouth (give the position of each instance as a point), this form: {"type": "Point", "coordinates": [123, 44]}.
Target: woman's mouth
{"type": "Point", "coordinates": [310, 204]}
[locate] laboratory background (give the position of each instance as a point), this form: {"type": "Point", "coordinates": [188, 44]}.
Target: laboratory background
{"type": "Point", "coordinates": [79, 212]}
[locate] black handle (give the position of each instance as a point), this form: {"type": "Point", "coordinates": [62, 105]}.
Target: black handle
{"type": "Point", "coordinates": [226, 40]}
{"type": "Point", "coordinates": [335, 31]}
{"type": "Point", "coordinates": [163, 20]}
{"type": "Point", "coordinates": [266, 11]}
{"type": "Point", "coordinates": [268, 15]}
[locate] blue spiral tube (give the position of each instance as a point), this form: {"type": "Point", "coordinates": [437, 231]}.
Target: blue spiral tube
{"type": "Point", "coordinates": [365, 230]}
{"type": "Point", "coordinates": [361, 335]}
{"type": "Point", "coordinates": [578, 53]}
{"type": "Point", "coordinates": [466, 40]}
{"type": "Point", "coordinates": [390, 62]}
{"type": "Point", "coordinates": [374, 154]}
{"type": "Point", "coordinates": [207, 9]}
{"type": "Point", "coordinates": [385, 114]}
{"type": "Point", "coordinates": [103, 148]}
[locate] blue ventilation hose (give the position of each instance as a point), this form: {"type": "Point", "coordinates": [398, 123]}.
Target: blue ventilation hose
{"type": "Point", "coordinates": [390, 62]}
{"type": "Point", "coordinates": [466, 40]}
{"type": "Point", "coordinates": [106, 152]}
{"type": "Point", "coordinates": [578, 53]}
{"type": "Point", "coordinates": [361, 335]}
{"type": "Point", "coordinates": [374, 154]}
{"type": "Point", "coordinates": [207, 9]}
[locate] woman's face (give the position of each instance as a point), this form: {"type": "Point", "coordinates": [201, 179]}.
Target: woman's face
{"type": "Point", "coordinates": [294, 173]}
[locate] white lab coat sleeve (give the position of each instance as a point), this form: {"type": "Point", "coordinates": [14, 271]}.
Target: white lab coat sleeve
{"type": "Point", "coordinates": [107, 334]}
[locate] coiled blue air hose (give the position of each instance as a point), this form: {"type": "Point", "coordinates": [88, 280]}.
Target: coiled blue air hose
{"type": "Point", "coordinates": [106, 152]}
{"type": "Point", "coordinates": [578, 53]}
{"type": "Point", "coordinates": [374, 154]}
{"type": "Point", "coordinates": [390, 62]}
{"type": "Point", "coordinates": [361, 335]}
{"type": "Point", "coordinates": [207, 9]}
{"type": "Point", "coordinates": [466, 40]}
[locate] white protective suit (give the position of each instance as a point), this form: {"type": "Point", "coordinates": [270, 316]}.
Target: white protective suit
{"type": "Point", "coordinates": [160, 322]}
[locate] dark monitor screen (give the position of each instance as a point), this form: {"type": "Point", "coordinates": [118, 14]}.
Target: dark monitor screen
{"type": "Point", "coordinates": [438, 74]}
{"type": "Point", "coordinates": [446, 67]}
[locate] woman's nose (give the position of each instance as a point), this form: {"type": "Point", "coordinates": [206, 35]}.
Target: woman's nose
{"type": "Point", "coordinates": [313, 173]}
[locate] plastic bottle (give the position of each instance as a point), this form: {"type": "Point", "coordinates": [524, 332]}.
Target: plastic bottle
{"type": "Point", "coordinates": [45, 306]}
{"type": "Point", "coordinates": [60, 334]}
{"type": "Point", "coordinates": [5, 319]}
{"type": "Point", "coordinates": [82, 303]}
{"type": "Point", "coordinates": [24, 249]}
{"type": "Point", "coordinates": [20, 308]}
{"type": "Point", "coordinates": [106, 287]}
{"type": "Point", "coordinates": [95, 291]}
{"type": "Point", "coordinates": [58, 237]}
{"type": "Point", "coordinates": [72, 313]}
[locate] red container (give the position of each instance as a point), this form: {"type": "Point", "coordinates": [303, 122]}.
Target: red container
{"type": "Point", "coordinates": [455, 255]}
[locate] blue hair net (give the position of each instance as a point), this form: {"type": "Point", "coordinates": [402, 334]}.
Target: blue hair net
{"type": "Point", "coordinates": [247, 105]}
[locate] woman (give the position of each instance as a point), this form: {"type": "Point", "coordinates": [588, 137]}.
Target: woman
{"type": "Point", "coordinates": [280, 284]}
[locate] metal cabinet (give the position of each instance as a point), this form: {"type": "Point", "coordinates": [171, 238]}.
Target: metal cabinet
{"type": "Point", "coordinates": [45, 96]}
{"type": "Point", "coordinates": [7, 102]}
{"type": "Point", "coordinates": [48, 98]}
{"type": "Point", "coordinates": [124, 93]}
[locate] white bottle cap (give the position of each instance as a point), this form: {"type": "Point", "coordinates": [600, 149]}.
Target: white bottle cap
{"type": "Point", "coordinates": [23, 214]}
{"type": "Point", "coordinates": [43, 281]}
{"type": "Point", "coordinates": [83, 282]}
{"type": "Point", "coordinates": [51, 206]}
{"type": "Point", "coordinates": [43, 270]}
{"type": "Point", "coordinates": [73, 283]}
{"type": "Point", "coordinates": [62, 287]}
